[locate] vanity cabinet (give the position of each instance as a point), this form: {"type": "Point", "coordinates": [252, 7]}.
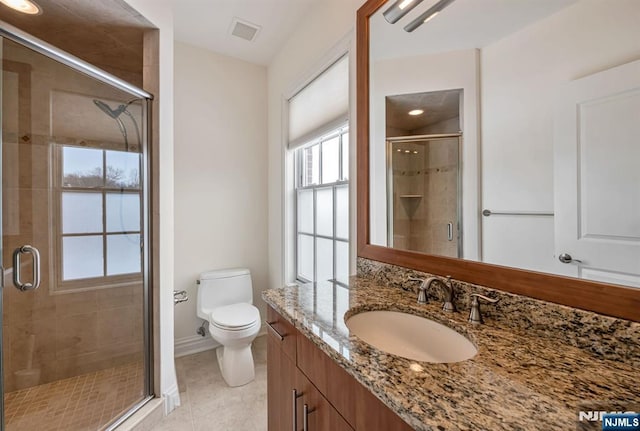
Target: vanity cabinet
{"type": "Point", "coordinates": [299, 374]}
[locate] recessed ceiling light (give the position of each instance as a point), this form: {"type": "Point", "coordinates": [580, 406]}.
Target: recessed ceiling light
{"type": "Point", "coordinates": [407, 151]}
{"type": "Point", "coordinates": [416, 112]}
{"type": "Point", "coordinates": [24, 6]}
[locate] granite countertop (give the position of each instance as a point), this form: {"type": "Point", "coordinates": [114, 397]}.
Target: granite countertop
{"type": "Point", "coordinates": [517, 380]}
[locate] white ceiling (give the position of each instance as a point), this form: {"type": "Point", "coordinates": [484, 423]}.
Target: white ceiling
{"type": "Point", "coordinates": [207, 24]}
{"type": "Point", "coordinates": [464, 24]}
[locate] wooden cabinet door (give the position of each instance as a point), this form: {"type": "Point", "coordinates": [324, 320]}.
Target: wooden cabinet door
{"type": "Point", "coordinates": [320, 414]}
{"type": "Point", "coordinates": [281, 380]}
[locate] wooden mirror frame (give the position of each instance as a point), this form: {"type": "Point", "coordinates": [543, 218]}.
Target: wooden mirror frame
{"type": "Point", "coordinates": [609, 299]}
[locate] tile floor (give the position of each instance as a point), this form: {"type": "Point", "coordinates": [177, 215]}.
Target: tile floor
{"type": "Point", "coordinates": [208, 404]}
{"type": "Point", "coordinates": [82, 403]}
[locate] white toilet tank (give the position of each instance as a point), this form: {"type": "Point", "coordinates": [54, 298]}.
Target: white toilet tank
{"type": "Point", "coordinates": [223, 287]}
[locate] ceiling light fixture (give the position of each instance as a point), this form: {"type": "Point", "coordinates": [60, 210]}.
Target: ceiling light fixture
{"type": "Point", "coordinates": [428, 15]}
{"type": "Point", "coordinates": [24, 6]}
{"type": "Point", "coordinates": [416, 112]}
{"type": "Point", "coordinates": [399, 9]}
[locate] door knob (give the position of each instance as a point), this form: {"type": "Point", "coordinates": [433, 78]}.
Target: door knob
{"type": "Point", "coordinates": [566, 258]}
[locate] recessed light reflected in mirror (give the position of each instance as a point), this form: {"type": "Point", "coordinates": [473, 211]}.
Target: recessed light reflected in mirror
{"type": "Point", "coordinates": [24, 6]}
{"type": "Point", "coordinates": [416, 112]}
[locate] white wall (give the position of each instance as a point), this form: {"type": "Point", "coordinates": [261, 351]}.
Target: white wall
{"type": "Point", "coordinates": [519, 75]}
{"type": "Point", "coordinates": [161, 15]}
{"type": "Point", "coordinates": [434, 72]}
{"type": "Point", "coordinates": [220, 174]}
{"type": "Point", "coordinates": [325, 25]}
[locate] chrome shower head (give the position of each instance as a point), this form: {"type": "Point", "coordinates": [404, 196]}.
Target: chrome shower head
{"type": "Point", "coordinates": [113, 113]}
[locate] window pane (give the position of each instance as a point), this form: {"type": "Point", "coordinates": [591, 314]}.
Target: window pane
{"type": "Point", "coordinates": [305, 211]}
{"type": "Point", "coordinates": [324, 253]}
{"type": "Point", "coordinates": [123, 212]}
{"type": "Point", "coordinates": [342, 262]}
{"type": "Point", "coordinates": [324, 211]}
{"type": "Point", "coordinates": [82, 257]}
{"type": "Point", "coordinates": [81, 167]}
{"type": "Point", "coordinates": [342, 212]}
{"type": "Point", "coordinates": [123, 254]}
{"type": "Point", "coordinates": [81, 212]}
{"type": "Point", "coordinates": [123, 169]}
{"type": "Point", "coordinates": [311, 165]}
{"type": "Point", "coordinates": [345, 156]}
{"type": "Point", "coordinates": [331, 160]}
{"type": "Point", "coordinates": [305, 257]}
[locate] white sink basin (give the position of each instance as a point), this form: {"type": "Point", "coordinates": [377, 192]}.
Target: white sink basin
{"type": "Point", "coordinates": [410, 336]}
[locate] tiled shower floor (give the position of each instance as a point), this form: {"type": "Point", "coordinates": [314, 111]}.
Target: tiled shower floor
{"type": "Point", "coordinates": [82, 403]}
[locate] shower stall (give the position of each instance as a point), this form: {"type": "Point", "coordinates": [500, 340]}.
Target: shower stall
{"type": "Point", "coordinates": [424, 198]}
{"type": "Point", "coordinates": [75, 330]}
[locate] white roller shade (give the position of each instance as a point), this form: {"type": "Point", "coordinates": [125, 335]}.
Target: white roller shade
{"type": "Point", "coordinates": [321, 106]}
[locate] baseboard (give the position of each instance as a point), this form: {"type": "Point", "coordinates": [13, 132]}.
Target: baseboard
{"type": "Point", "coordinates": [171, 399]}
{"type": "Point", "coordinates": [194, 344]}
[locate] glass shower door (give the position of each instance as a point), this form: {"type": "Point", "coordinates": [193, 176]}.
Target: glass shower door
{"type": "Point", "coordinates": [74, 345]}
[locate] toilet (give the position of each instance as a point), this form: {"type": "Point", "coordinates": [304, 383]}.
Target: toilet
{"type": "Point", "coordinates": [225, 300]}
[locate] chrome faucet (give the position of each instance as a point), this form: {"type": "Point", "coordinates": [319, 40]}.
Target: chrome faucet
{"type": "Point", "coordinates": [447, 287]}
{"type": "Point", "coordinates": [422, 289]}
{"type": "Point", "coordinates": [475, 317]}
{"type": "Point", "coordinates": [444, 284]}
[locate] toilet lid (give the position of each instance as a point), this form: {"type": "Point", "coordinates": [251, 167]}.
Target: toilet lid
{"type": "Point", "coordinates": [235, 316]}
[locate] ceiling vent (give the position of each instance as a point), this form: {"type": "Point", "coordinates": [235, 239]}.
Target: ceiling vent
{"type": "Point", "coordinates": [244, 29]}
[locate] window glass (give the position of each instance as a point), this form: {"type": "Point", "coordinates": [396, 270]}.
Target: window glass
{"type": "Point", "coordinates": [100, 216]}
{"type": "Point", "coordinates": [324, 211]}
{"type": "Point", "coordinates": [345, 156]}
{"type": "Point", "coordinates": [123, 212]}
{"type": "Point", "coordinates": [311, 166]}
{"type": "Point", "coordinates": [123, 254]}
{"type": "Point", "coordinates": [81, 212]}
{"type": "Point", "coordinates": [342, 262]}
{"type": "Point", "coordinates": [81, 167]}
{"type": "Point", "coordinates": [305, 257]}
{"type": "Point", "coordinates": [82, 257]}
{"type": "Point", "coordinates": [305, 211]}
{"type": "Point", "coordinates": [123, 169]}
{"type": "Point", "coordinates": [324, 259]}
{"type": "Point", "coordinates": [342, 212]}
{"type": "Point", "coordinates": [331, 160]}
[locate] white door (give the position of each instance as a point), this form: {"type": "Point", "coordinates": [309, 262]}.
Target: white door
{"type": "Point", "coordinates": [597, 175]}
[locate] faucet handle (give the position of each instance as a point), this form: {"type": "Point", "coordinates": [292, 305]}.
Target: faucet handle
{"type": "Point", "coordinates": [475, 317]}
{"type": "Point", "coordinates": [422, 289]}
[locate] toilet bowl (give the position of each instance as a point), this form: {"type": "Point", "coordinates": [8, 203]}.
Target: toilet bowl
{"type": "Point", "coordinates": [224, 300]}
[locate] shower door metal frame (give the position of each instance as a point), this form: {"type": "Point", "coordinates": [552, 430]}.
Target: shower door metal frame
{"type": "Point", "coordinates": [389, 170]}
{"type": "Point", "coordinates": [30, 42]}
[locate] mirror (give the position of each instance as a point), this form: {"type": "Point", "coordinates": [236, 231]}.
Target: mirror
{"type": "Point", "coordinates": [548, 143]}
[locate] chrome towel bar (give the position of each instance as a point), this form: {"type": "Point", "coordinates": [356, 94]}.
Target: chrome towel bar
{"type": "Point", "coordinates": [487, 213]}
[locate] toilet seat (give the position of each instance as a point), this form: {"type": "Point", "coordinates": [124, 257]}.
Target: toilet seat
{"type": "Point", "coordinates": [235, 317]}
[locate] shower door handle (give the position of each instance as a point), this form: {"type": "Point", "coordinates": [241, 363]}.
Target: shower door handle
{"type": "Point", "coordinates": [17, 281]}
